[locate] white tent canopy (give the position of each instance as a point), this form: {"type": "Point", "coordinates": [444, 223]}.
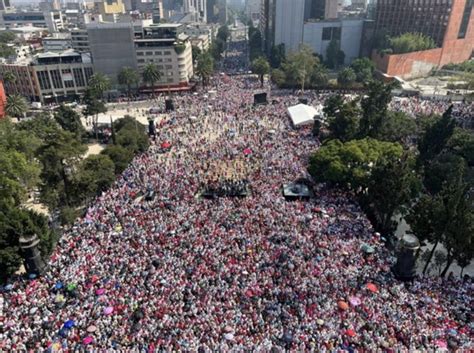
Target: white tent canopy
{"type": "Point", "coordinates": [302, 114]}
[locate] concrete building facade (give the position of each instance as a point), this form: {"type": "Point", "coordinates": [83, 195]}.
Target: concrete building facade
{"type": "Point", "coordinates": [198, 8]}
{"type": "Point", "coordinates": [52, 20]}
{"type": "Point", "coordinates": [112, 47]}
{"type": "Point", "coordinates": [170, 50]}
{"type": "Point", "coordinates": [49, 77]}
{"type": "Point", "coordinates": [347, 32]}
{"type": "Point", "coordinates": [282, 21]}
{"type": "Point", "coordinates": [289, 20]}
{"type": "Point", "coordinates": [457, 45]}
{"type": "Point", "coordinates": [80, 40]}
{"type": "Point", "coordinates": [57, 42]}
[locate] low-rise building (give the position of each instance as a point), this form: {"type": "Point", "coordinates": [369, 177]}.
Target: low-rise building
{"type": "Point", "coordinates": [57, 42]}
{"type": "Point", "coordinates": [52, 20]}
{"type": "Point", "coordinates": [49, 77]}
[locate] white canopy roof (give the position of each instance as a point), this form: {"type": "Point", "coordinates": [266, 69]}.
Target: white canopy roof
{"type": "Point", "coordinates": [302, 114]}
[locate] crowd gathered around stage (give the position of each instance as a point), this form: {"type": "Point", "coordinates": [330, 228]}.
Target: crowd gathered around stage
{"type": "Point", "coordinates": [179, 272]}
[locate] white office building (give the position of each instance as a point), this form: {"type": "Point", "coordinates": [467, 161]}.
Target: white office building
{"type": "Point", "coordinates": [347, 33]}
{"type": "Point", "coordinates": [198, 9]}
{"type": "Point", "coordinates": [289, 20]}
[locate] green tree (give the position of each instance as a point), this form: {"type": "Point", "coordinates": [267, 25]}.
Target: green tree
{"type": "Point", "coordinates": [334, 55]}
{"type": "Point", "coordinates": [350, 164]}
{"type": "Point", "coordinates": [7, 36]}
{"type": "Point", "coordinates": [277, 55]}
{"type": "Point", "coordinates": [278, 77]}
{"type": "Point", "coordinates": [151, 75]}
{"type": "Point", "coordinates": [18, 175]}
{"type": "Point", "coordinates": [59, 156]}
{"type": "Point", "coordinates": [69, 120]}
{"type": "Point", "coordinates": [434, 218]}
{"type": "Point", "coordinates": [14, 222]}
{"type": "Point", "coordinates": [364, 69]}
{"type": "Point", "coordinates": [299, 66]}
{"type": "Point", "coordinates": [344, 122]}
{"type": "Point", "coordinates": [128, 77]}
{"type": "Point", "coordinates": [397, 127]}
{"type": "Point", "coordinates": [255, 44]}
{"type": "Point", "coordinates": [374, 108]}
{"type": "Point", "coordinates": [319, 76]}
{"type": "Point", "coordinates": [461, 143]}
{"type": "Point", "coordinates": [458, 239]}
{"type": "Point", "coordinates": [436, 137]}
{"type": "Point", "coordinates": [8, 77]}
{"type": "Point", "coordinates": [196, 51]}
{"type": "Point", "coordinates": [346, 77]}
{"type": "Point", "coordinates": [410, 42]}
{"type": "Point", "coordinates": [14, 138]}
{"type": "Point", "coordinates": [16, 106]}
{"type": "Point", "coordinates": [217, 48]}
{"type": "Point", "coordinates": [94, 175]}
{"type": "Point", "coordinates": [131, 134]}
{"type": "Point", "coordinates": [441, 169]}
{"type": "Point", "coordinates": [223, 33]}
{"type": "Point", "coordinates": [94, 107]}
{"type": "Point", "coordinates": [392, 186]}
{"type": "Point", "coordinates": [6, 50]}
{"type": "Point", "coordinates": [205, 67]}
{"type": "Point", "coordinates": [261, 67]}
{"type": "Point", "coordinates": [99, 84]}
{"type": "Point", "coordinates": [120, 156]}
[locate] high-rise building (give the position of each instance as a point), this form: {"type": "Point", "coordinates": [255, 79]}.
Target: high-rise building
{"type": "Point", "coordinates": [289, 21]}
{"type": "Point", "coordinates": [430, 17]}
{"type": "Point", "coordinates": [450, 23]}
{"type": "Point", "coordinates": [110, 7]}
{"type": "Point", "coordinates": [198, 8]}
{"type": "Point", "coordinates": [4, 5]}
{"type": "Point", "coordinates": [112, 47]}
{"type": "Point", "coordinates": [320, 9]}
{"type": "Point", "coordinates": [157, 14]}
{"type": "Point", "coordinates": [169, 48]}
{"type": "Point", "coordinates": [281, 21]}
{"type": "Point", "coordinates": [252, 9]}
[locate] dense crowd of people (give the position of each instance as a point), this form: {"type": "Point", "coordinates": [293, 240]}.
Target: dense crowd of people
{"type": "Point", "coordinates": [183, 273]}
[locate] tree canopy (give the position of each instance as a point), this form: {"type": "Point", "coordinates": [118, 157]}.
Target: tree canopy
{"type": "Point", "coordinates": [261, 67]}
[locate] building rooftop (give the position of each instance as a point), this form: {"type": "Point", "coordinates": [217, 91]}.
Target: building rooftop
{"type": "Point", "coordinates": [26, 29]}
{"type": "Point", "coordinates": [59, 36]}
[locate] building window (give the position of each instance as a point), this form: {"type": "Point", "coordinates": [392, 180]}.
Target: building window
{"type": "Point", "coordinates": [149, 53]}
{"type": "Point", "coordinates": [336, 33]}
{"type": "Point", "coordinates": [79, 77]}
{"type": "Point", "coordinates": [56, 78]}
{"type": "Point", "coordinates": [327, 33]}
{"type": "Point", "coordinates": [43, 78]}
{"type": "Point", "coordinates": [139, 53]}
{"type": "Point", "coordinates": [465, 19]}
{"type": "Point", "coordinates": [157, 52]}
{"type": "Point", "coordinates": [169, 67]}
{"type": "Point", "coordinates": [167, 53]}
{"type": "Point", "coordinates": [141, 61]}
{"type": "Point", "coordinates": [88, 72]}
{"type": "Point", "coordinates": [69, 83]}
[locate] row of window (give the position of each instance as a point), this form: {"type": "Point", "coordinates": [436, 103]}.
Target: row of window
{"type": "Point", "coordinates": [64, 78]}
{"type": "Point", "coordinates": [148, 53]}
